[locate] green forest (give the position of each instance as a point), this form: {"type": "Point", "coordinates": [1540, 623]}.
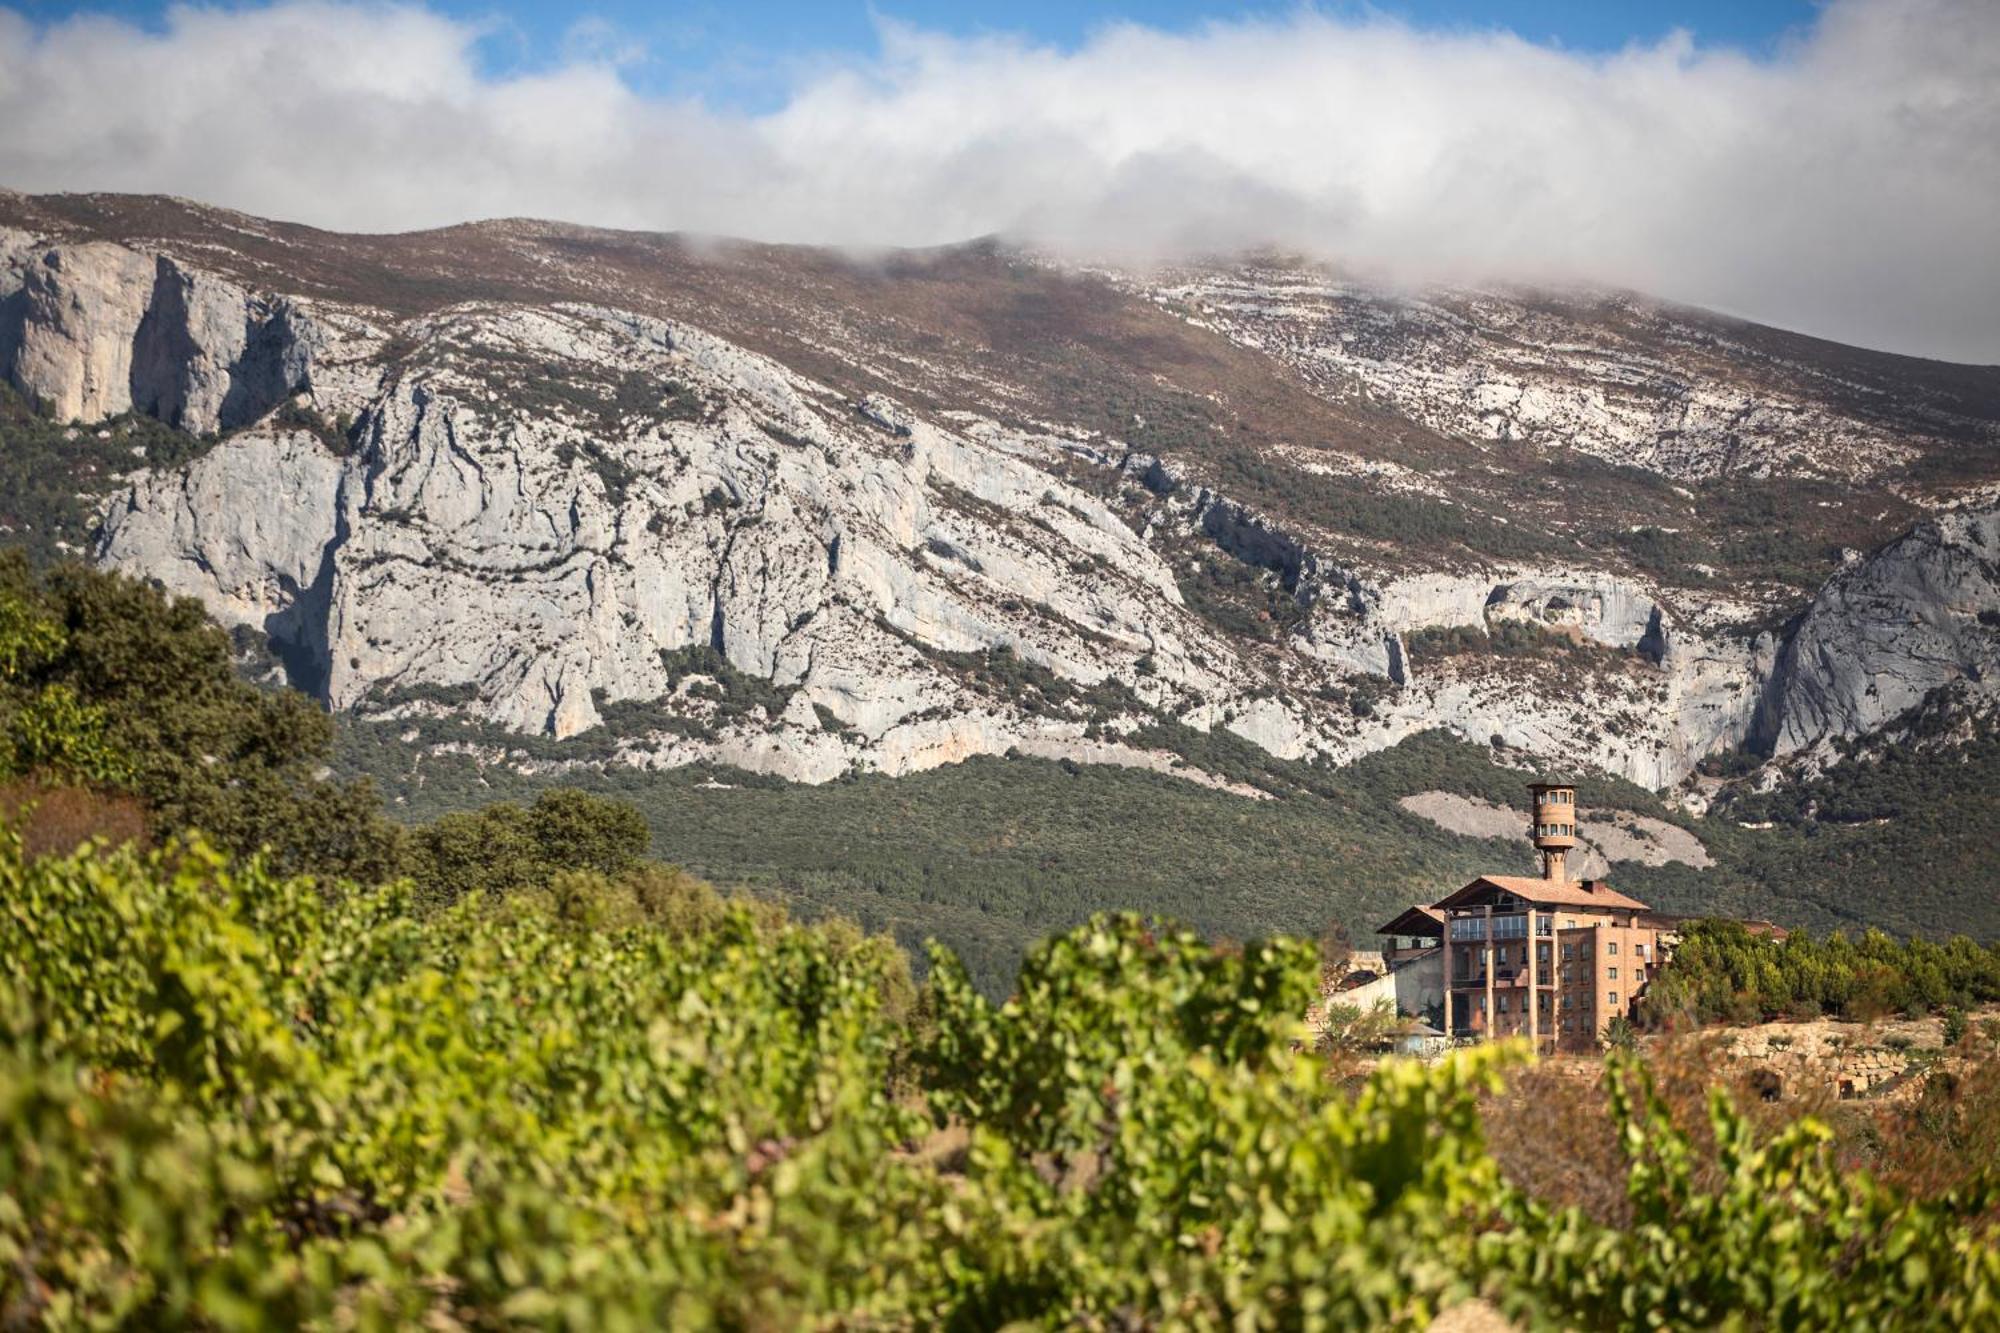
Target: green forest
{"type": "Point", "coordinates": [1723, 973]}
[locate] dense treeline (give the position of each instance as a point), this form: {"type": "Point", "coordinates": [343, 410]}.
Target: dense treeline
{"type": "Point", "coordinates": [1722, 972]}
{"type": "Point", "coordinates": [991, 854]}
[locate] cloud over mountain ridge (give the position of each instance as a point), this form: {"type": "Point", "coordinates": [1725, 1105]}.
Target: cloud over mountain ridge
{"type": "Point", "coordinates": [1846, 186]}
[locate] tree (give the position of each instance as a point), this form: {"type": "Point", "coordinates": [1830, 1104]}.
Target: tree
{"type": "Point", "coordinates": [46, 728]}
{"type": "Point", "coordinates": [504, 848]}
{"type": "Point", "coordinates": [109, 682]}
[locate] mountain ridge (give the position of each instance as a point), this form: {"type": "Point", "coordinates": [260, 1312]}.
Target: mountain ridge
{"type": "Point", "coordinates": [1247, 498]}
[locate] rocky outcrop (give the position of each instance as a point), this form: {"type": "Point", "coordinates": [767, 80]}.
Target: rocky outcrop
{"type": "Point", "coordinates": [552, 516]}
{"type": "Point", "coordinates": [68, 319]}
{"type": "Point", "coordinates": [541, 561]}
{"type": "Point", "coordinates": [552, 562]}
{"type": "Point", "coordinates": [90, 330]}
{"type": "Point", "coordinates": [249, 530]}
{"type": "Point", "coordinates": [1620, 379]}
{"type": "Point", "coordinates": [1918, 615]}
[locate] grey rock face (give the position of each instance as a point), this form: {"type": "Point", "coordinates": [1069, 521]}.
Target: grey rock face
{"type": "Point", "coordinates": [92, 330]}
{"type": "Point", "coordinates": [549, 562]}
{"type": "Point", "coordinates": [544, 508]}
{"type": "Point", "coordinates": [68, 319]}
{"type": "Point", "coordinates": [248, 530]}
{"type": "Point", "coordinates": [1643, 389]}
{"type": "Point", "coordinates": [1921, 613]}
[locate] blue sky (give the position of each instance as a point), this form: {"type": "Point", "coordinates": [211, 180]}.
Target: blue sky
{"type": "Point", "coordinates": [744, 55]}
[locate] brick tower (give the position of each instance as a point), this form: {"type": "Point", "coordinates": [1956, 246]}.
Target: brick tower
{"type": "Point", "coordinates": [1553, 829]}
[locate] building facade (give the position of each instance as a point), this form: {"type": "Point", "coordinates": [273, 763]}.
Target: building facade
{"type": "Point", "coordinates": [1544, 957]}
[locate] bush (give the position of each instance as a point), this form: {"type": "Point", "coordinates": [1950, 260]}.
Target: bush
{"type": "Point", "coordinates": [505, 848]}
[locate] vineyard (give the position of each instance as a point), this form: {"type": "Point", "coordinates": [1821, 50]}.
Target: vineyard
{"type": "Point", "coordinates": [230, 1099]}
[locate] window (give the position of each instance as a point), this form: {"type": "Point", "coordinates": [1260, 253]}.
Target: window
{"type": "Point", "coordinates": [1569, 1001]}
{"type": "Point", "coordinates": [1614, 999]}
{"type": "Point", "coordinates": [1611, 974]}
{"type": "Point", "coordinates": [1569, 951]}
{"type": "Point", "coordinates": [1501, 1005]}
{"type": "Point", "coordinates": [1611, 947]}
{"type": "Point", "coordinates": [1482, 1003]}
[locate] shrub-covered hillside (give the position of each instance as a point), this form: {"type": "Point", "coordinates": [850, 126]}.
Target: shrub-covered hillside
{"type": "Point", "coordinates": [991, 854]}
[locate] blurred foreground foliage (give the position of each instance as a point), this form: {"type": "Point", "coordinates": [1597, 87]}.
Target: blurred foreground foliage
{"type": "Point", "coordinates": [235, 1099]}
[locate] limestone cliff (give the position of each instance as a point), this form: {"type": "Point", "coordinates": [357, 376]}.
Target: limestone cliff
{"type": "Point", "coordinates": [92, 330]}
{"type": "Point", "coordinates": [1921, 614]}
{"type": "Point", "coordinates": [561, 510]}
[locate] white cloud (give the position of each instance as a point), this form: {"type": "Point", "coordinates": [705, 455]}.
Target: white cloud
{"type": "Point", "coordinates": [1850, 186]}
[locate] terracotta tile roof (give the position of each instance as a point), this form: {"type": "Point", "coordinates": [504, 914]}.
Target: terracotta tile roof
{"type": "Point", "coordinates": [1417, 920]}
{"type": "Point", "coordinates": [1548, 893]}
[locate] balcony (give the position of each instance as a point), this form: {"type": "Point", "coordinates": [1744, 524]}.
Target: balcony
{"type": "Point", "coordinates": [1513, 926]}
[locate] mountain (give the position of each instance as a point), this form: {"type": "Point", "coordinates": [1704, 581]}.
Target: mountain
{"type": "Point", "coordinates": [555, 500]}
